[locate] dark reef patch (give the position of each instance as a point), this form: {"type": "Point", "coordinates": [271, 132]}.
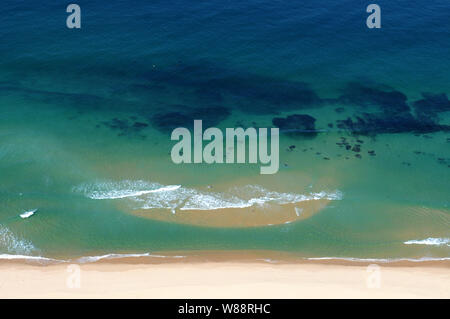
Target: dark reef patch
{"type": "Point", "coordinates": [80, 101]}
{"type": "Point", "coordinates": [139, 125]}
{"type": "Point", "coordinates": [125, 127]}
{"type": "Point", "coordinates": [406, 163]}
{"type": "Point", "coordinates": [372, 124]}
{"type": "Point", "coordinates": [297, 125]}
{"type": "Point", "coordinates": [381, 111]}
{"type": "Point", "coordinates": [284, 95]}
{"type": "Point", "coordinates": [255, 94]}
{"type": "Point", "coordinates": [390, 102]}
{"type": "Point", "coordinates": [356, 148]}
{"type": "Point", "coordinates": [443, 161]}
{"type": "Point", "coordinates": [142, 89]}
{"type": "Point", "coordinates": [431, 105]}
{"type": "Point", "coordinates": [184, 116]}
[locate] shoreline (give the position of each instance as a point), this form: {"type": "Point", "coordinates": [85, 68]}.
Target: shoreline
{"type": "Point", "coordinates": [219, 256]}
{"type": "Point", "coordinates": [236, 280]}
{"type": "Point", "coordinates": [237, 275]}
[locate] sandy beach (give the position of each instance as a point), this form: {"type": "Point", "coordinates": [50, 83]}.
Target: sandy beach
{"type": "Point", "coordinates": [220, 279]}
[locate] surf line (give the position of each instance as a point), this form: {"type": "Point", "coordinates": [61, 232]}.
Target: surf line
{"type": "Point", "coordinates": [213, 152]}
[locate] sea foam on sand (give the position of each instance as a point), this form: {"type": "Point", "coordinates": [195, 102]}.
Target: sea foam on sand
{"type": "Point", "coordinates": [148, 195]}
{"type": "Point", "coordinates": [239, 206]}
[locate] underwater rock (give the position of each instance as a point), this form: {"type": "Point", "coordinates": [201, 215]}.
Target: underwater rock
{"type": "Point", "coordinates": [356, 148]}
{"type": "Point", "coordinates": [125, 127]}
{"type": "Point", "coordinates": [285, 95]}
{"type": "Point", "coordinates": [431, 105]}
{"type": "Point", "coordinates": [390, 102]}
{"type": "Point", "coordinates": [291, 148]}
{"type": "Point", "coordinates": [406, 163]}
{"type": "Point", "coordinates": [297, 125]}
{"type": "Point", "coordinates": [373, 124]}
{"type": "Point", "coordinates": [139, 125]}
{"type": "Point", "coordinates": [184, 116]}
{"type": "Point", "coordinates": [387, 111]}
{"type": "Point", "coordinates": [443, 161]}
{"type": "Point", "coordinates": [211, 83]}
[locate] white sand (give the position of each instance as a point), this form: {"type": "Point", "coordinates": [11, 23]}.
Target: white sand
{"type": "Point", "coordinates": [222, 280]}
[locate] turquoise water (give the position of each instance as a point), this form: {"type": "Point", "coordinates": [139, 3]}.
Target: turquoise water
{"type": "Point", "coordinates": [87, 114]}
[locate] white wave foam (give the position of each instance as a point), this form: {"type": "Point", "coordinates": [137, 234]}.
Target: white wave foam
{"type": "Point", "coordinates": [26, 257]}
{"type": "Point", "coordinates": [82, 260]}
{"type": "Point", "coordinates": [28, 214]}
{"type": "Point", "coordinates": [429, 241]}
{"type": "Point", "coordinates": [124, 189]}
{"type": "Point", "coordinates": [91, 259]}
{"type": "Point", "coordinates": [268, 260]}
{"type": "Point", "coordinates": [380, 260]}
{"type": "Point", "coordinates": [239, 198]}
{"type": "Point", "coordinates": [153, 195]}
{"type": "Point", "coordinates": [11, 243]}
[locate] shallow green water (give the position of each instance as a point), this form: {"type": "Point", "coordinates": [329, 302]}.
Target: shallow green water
{"type": "Point", "coordinates": [46, 155]}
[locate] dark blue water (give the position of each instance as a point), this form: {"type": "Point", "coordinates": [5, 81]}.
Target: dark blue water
{"type": "Point", "coordinates": [282, 40]}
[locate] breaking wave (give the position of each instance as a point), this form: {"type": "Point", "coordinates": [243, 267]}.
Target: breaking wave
{"type": "Point", "coordinates": [26, 257]}
{"type": "Point", "coordinates": [82, 260]}
{"type": "Point", "coordinates": [381, 260]}
{"type": "Point", "coordinates": [153, 195]}
{"type": "Point", "coordinates": [430, 242]}
{"type": "Point", "coordinates": [91, 259]}
{"type": "Point", "coordinates": [124, 189]}
{"type": "Point", "coordinates": [11, 243]}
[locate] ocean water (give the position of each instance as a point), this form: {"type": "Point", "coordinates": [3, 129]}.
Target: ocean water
{"type": "Point", "coordinates": [86, 116]}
